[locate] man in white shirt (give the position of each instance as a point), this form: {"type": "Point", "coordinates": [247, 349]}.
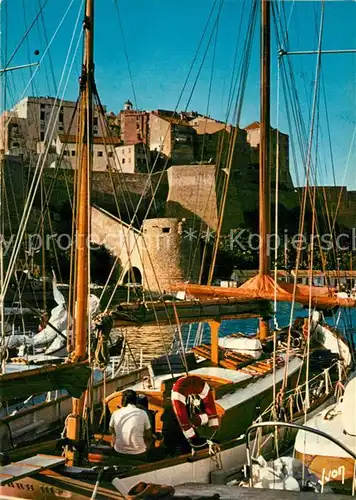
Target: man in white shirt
{"type": "Point", "coordinates": [130, 428]}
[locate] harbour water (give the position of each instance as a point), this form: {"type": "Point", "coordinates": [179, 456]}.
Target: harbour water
{"type": "Point", "coordinates": [147, 342]}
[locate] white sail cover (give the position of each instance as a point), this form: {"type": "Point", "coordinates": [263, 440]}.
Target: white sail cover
{"type": "Point", "coordinates": [58, 319]}
{"type": "Point", "coordinates": [17, 340]}
{"type": "Point", "coordinates": [243, 345]}
{"type": "Point", "coordinates": [58, 322]}
{"type": "Point", "coordinates": [58, 341]}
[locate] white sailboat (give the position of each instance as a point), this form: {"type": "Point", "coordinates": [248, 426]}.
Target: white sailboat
{"type": "Point", "coordinates": [325, 459]}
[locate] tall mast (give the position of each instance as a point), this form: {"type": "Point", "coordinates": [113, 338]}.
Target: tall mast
{"type": "Point", "coordinates": [82, 191]}
{"type": "Point", "coordinates": [264, 185]}
{"type": "Point", "coordinates": [82, 220]}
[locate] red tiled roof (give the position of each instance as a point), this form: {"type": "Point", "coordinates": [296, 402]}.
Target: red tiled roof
{"type": "Point", "coordinates": [253, 125]}
{"type": "Point", "coordinates": [175, 121]}
{"type": "Point", "coordinates": [96, 140]}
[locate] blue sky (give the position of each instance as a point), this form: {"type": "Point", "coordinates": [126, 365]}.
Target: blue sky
{"type": "Point", "coordinates": [162, 36]}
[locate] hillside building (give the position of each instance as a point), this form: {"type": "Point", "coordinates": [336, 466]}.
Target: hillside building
{"type": "Point", "coordinates": [134, 125]}
{"type": "Point", "coordinates": [172, 137]}
{"type": "Point", "coordinates": [34, 122]}
{"type": "Point", "coordinates": [254, 137]}
{"type": "Point", "coordinates": [103, 151]}
{"type": "Point", "coordinates": [133, 158]}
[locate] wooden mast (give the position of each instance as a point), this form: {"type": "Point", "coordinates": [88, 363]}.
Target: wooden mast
{"type": "Point", "coordinates": [264, 181]}
{"type": "Point", "coordinates": [82, 201]}
{"type": "Point", "coordinates": [81, 260]}
{"type": "Point", "coordinates": [264, 184]}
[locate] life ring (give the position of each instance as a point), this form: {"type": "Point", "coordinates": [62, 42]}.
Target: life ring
{"type": "Point", "coordinates": [182, 390]}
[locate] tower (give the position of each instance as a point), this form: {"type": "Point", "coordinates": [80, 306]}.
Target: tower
{"type": "Point", "coordinates": [169, 255]}
{"type": "Point", "coordinates": [128, 105]}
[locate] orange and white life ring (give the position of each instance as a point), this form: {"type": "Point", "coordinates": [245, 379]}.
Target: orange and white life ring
{"type": "Point", "coordinates": [191, 385]}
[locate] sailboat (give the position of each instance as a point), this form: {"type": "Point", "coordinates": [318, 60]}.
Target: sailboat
{"type": "Point", "coordinates": [233, 380]}
{"type": "Point", "coordinates": [330, 463]}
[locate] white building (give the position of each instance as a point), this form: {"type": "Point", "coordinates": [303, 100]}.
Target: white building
{"type": "Point", "coordinates": [133, 158]}
{"type": "Point", "coordinates": [103, 151]}
{"type": "Point", "coordinates": [24, 129]}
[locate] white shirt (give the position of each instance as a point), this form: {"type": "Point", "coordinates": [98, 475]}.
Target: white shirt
{"type": "Point", "coordinates": [130, 424]}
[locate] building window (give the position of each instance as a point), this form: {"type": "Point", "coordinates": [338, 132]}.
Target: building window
{"type": "Point", "coordinates": [123, 160]}
{"type": "Point", "coordinates": [42, 115]}
{"type": "Point", "coordinates": [110, 154]}
{"type": "Point", "coordinates": [123, 151]}
{"type": "Point", "coordinates": [100, 153]}
{"type": "Point", "coordinates": [42, 136]}
{"type": "Point", "coordinates": [166, 229]}
{"type": "Point", "coordinates": [61, 116]}
{"type": "Point", "coordinates": [15, 144]}
{"type": "Point", "coordinates": [65, 153]}
{"type": "Point", "coordinates": [129, 160]}
{"type": "Point", "coordinates": [72, 153]}
{"type": "Point", "coordinates": [42, 105]}
{"type": "Point", "coordinates": [60, 127]}
{"type": "Point", "coordinates": [95, 121]}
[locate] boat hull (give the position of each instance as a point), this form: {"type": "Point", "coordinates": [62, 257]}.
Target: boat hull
{"type": "Point", "coordinates": [199, 468]}
{"type": "Point", "coordinates": [328, 469]}
{"type": "Point", "coordinates": [174, 471]}
{"type": "Point", "coordinates": [330, 462]}
{"type": "Point", "coordinates": [41, 419]}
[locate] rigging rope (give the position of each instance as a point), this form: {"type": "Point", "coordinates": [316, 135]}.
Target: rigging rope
{"type": "Point", "coordinates": [245, 60]}
{"type": "Point", "coordinates": [24, 37]}
{"type": "Point", "coordinates": [308, 169]}
{"type": "Point", "coordinates": [40, 163]}
{"type": "Point", "coordinates": [194, 248]}
{"type": "Point", "coordinates": [180, 338]}
{"type": "Point", "coordinates": [126, 53]}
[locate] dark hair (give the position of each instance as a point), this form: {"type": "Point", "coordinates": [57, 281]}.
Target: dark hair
{"type": "Point", "coordinates": [129, 397]}
{"type": "Point", "coordinates": [142, 400]}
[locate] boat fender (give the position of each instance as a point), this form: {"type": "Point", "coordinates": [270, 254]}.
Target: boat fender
{"type": "Point", "coordinates": [197, 390]}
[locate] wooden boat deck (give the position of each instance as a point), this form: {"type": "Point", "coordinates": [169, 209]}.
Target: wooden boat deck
{"type": "Point", "coordinates": [234, 373]}
{"type": "Point", "coordinates": [28, 467]}
{"type": "Point", "coordinates": [237, 361]}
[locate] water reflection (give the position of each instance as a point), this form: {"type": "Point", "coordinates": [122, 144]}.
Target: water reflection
{"type": "Point", "coordinates": [152, 341]}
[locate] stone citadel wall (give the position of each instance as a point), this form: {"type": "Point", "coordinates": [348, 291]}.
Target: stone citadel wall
{"type": "Point", "coordinates": [192, 192]}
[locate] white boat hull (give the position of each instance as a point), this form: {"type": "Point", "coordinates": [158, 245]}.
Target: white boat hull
{"type": "Point", "coordinates": [324, 458]}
